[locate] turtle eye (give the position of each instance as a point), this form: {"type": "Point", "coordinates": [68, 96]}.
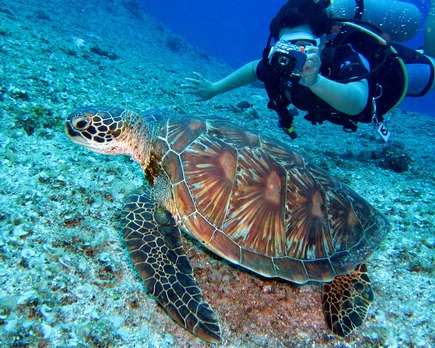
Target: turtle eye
{"type": "Point", "coordinates": [80, 122]}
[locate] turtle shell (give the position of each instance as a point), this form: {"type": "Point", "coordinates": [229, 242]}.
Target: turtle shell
{"type": "Point", "coordinates": [258, 204]}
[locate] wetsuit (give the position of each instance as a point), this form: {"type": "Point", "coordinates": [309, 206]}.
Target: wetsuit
{"type": "Point", "coordinates": [343, 63]}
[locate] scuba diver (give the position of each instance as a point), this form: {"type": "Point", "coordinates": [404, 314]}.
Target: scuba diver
{"type": "Point", "coordinates": [339, 70]}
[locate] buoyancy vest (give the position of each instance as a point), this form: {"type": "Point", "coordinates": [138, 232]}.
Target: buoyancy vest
{"type": "Point", "coordinates": [387, 78]}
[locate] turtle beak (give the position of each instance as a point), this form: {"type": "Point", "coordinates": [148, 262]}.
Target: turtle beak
{"type": "Point", "coordinates": [78, 138]}
{"type": "Point", "coordinates": [70, 132]}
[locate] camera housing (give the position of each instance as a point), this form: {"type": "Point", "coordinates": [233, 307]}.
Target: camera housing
{"type": "Point", "coordinates": [288, 58]}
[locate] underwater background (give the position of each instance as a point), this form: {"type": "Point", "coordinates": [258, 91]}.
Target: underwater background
{"type": "Point", "coordinates": [237, 31]}
{"type": "Point", "coordinates": [65, 278]}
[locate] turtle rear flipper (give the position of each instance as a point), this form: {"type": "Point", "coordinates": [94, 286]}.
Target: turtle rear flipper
{"type": "Point", "coordinates": [155, 246]}
{"type": "Point", "coordinates": [346, 301]}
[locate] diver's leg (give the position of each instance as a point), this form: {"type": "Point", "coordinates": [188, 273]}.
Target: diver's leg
{"type": "Point", "coordinates": [429, 34]}
{"type": "Point", "coordinates": [432, 59]}
{"type": "Point", "coordinates": [420, 77]}
{"type": "Point", "coordinates": [420, 69]}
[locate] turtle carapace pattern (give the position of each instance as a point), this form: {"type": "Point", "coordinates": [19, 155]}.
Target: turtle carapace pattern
{"type": "Point", "coordinates": [247, 198]}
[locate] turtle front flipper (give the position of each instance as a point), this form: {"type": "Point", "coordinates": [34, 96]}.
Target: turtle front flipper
{"type": "Point", "coordinates": [155, 246]}
{"type": "Point", "coordinates": [346, 301]}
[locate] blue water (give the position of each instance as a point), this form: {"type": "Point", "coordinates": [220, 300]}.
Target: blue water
{"type": "Point", "coordinates": [236, 31]}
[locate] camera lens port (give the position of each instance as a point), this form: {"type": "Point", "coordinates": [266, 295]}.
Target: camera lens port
{"type": "Point", "coordinates": [283, 61]}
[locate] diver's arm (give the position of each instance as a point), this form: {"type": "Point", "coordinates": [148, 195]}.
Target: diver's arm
{"type": "Point", "coordinates": [206, 89]}
{"type": "Point", "coordinates": [349, 98]}
{"type": "Point", "coordinates": [241, 77]}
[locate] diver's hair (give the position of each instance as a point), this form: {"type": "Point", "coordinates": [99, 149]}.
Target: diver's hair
{"type": "Point", "coordinates": [300, 12]}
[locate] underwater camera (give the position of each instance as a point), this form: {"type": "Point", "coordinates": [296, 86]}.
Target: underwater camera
{"type": "Point", "coordinates": [287, 57]}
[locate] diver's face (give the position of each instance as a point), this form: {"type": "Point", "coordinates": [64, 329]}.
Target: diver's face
{"type": "Point", "coordinates": [303, 29]}
{"type": "Point", "coordinates": [300, 35]}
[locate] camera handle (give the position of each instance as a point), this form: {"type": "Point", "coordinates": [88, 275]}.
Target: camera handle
{"type": "Point", "coordinates": [277, 101]}
{"type": "Point", "coordinates": [285, 117]}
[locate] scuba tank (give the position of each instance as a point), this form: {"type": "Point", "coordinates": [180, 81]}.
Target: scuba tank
{"type": "Point", "coordinates": [397, 19]}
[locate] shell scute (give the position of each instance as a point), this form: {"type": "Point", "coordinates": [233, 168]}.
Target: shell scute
{"type": "Point", "coordinates": [342, 262]}
{"type": "Point", "coordinates": [182, 133]}
{"type": "Point", "coordinates": [255, 219]}
{"type": "Point", "coordinates": [209, 168]}
{"type": "Point", "coordinates": [222, 245]}
{"type": "Point", "coordinates": [308, 231]}
{"type": "Point", "coordinates": [257, 262]}
{"type": "Point", "coordinates": [363, 249]}
{"type": "Point", "coordinates": [172, 166]}
{"type": "Point", "coordinates": [183, 200]}
{"type": "Point", "coordinates": [323, 177]}
{"type": "Point", "coordinates": [320, 270]}
{"type": "Point", "coordinates": [291, 269]}
{"type": "Point", "coordinates": [346, 228]}
{"type": "Point", "coordinates": [234, 135]}
{"type": "Point", "coordinates": [204, 230]}
{"type": "Point", "coordinates": [288, 159]}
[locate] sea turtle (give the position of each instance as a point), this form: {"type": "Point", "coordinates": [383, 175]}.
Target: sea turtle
{"type": "Point", "coordinates": [247, 198]}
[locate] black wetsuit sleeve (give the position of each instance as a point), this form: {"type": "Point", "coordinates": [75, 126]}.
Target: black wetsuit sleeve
{"type": "Point", "coordinates": [347, 64]}
{"type": "Point", "coordinates": [262, 70]}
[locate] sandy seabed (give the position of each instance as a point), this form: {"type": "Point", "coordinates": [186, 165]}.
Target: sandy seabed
{"type": "Point", "coordinates": [65, 279]}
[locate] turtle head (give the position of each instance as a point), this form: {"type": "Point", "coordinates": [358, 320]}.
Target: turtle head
{"type": "Point", "coordinates": [99, 129]}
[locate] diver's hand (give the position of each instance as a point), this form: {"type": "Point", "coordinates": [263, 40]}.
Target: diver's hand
{"type": "Point", "coordinates": [199, 86]}
{"type": "Point", "coordinates": [310, 71]}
